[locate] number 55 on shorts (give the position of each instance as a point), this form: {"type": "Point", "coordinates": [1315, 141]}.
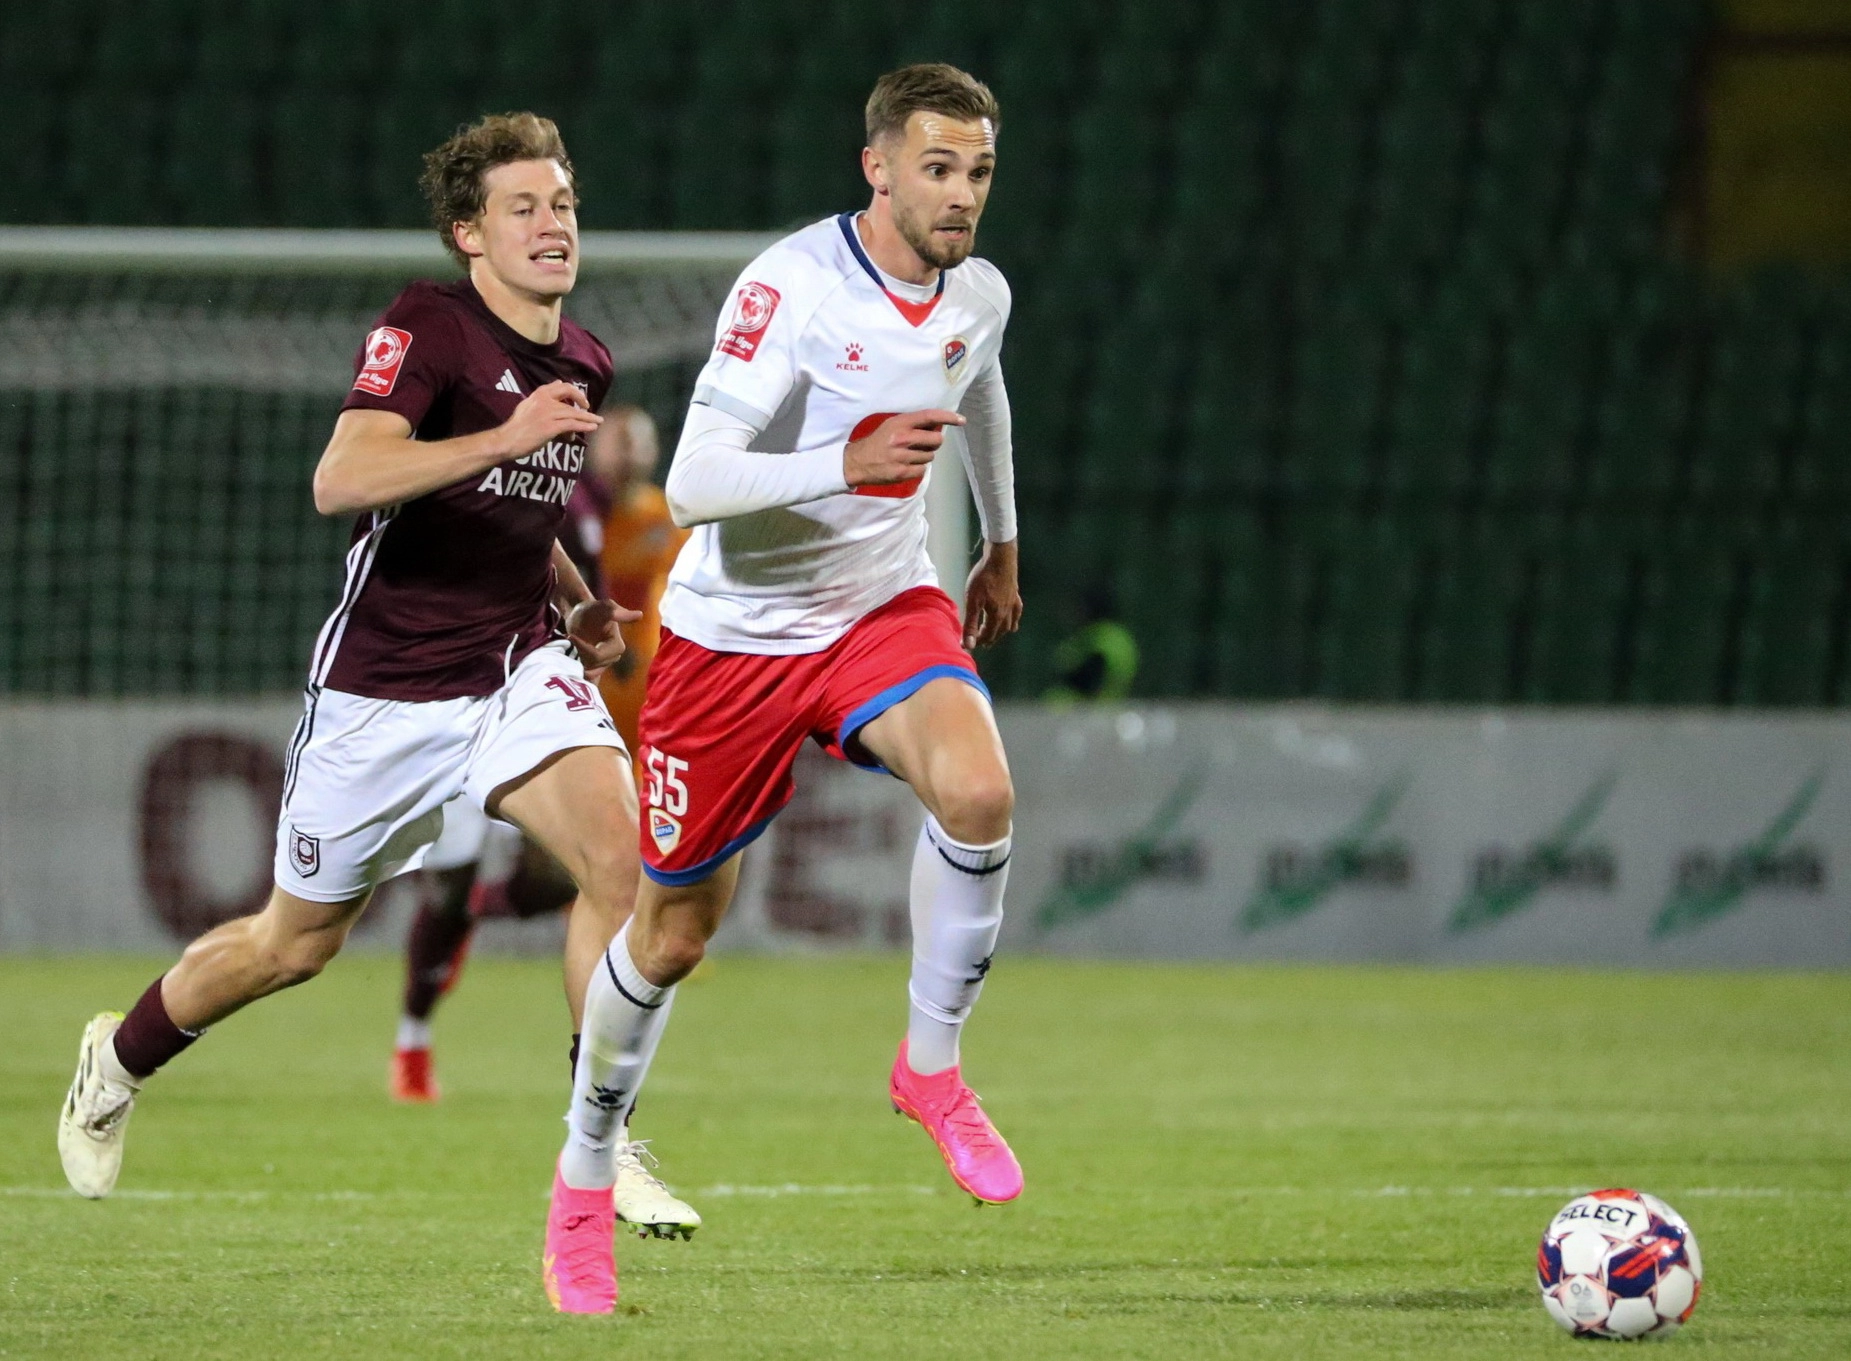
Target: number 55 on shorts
{"type": "Point", "coordinates": [667, 797]}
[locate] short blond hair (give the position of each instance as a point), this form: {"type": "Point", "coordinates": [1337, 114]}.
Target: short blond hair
{"type": "Point", "coordinates": [455, 174]}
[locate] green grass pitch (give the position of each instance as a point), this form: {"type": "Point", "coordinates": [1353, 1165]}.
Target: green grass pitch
{"type": "Point", "coordinates": [1252, 1162]}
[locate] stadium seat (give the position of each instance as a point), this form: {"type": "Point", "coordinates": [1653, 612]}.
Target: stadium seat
{"type": "Point", "coordinates": [1116, 164]}
{"type": "Point", "coordinates": [1418, 177]}
{"type": "Point", "coordinates": [1469, 636]}
{"type": "Point", "coordinates": [1038, 61]}
{"type": "Point", "coordinates": [1796, 613]}
{"type": "Point", "coordinates": [1130, 440]}
{"type": "Point", "coordinates": [1338, 380]}
{"type": "Point", "coordinates": [445, 51]}
{"type": "Point", "coordinates": [1243, 653]}
{"type": "Point", "coordinates": [1689, 605]}
{"type": "Point", "coordinates": [212, 163]}
{"type": "Point", "coordinates": [1589, 585]}
{"type": "Point", "coordinates": [1162, 590]}
{"type": "Point", "coordinates": [1537, 421]}
{"type": "Point", "coordinates": [148, 50]}
{"type": "Point", "coordinates": [339, 43]}
{"type": "Point", "coordinates": [1638, 425]}
{"type": "Point", "coordinates": [1372, 568]}
{"type": "Point", "coordinates": [1217, 175]}
{"type": "Point", "coordinates": [1436, 409]}
{"type": "Point", "coordinates": [1225, 446]}
{"type": "Point", "coordinates": [399, 130]}
{"type": "Point", "coordinates": [1820, 468]}
{"type": "Point", "coordinates": [239, 47]}
{"type": "Point", "coordinates": [314, 160]}
{"type": "Point", "coordinates": [111, 156]}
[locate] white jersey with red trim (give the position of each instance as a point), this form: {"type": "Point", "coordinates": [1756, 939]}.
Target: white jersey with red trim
{"type": "Point", "coordinates": [817, 347]}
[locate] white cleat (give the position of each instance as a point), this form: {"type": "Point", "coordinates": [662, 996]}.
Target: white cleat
{"type": "Point", "coordinates": [96, 1113]}
{"type": "Point", "coordinates": [643, 1202]}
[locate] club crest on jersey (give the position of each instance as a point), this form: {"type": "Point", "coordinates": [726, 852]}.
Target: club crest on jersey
{"type": "Point", "coordinates": [752, 309]}
{"type": "Point", "coordinates": [382, 356]}
{"type": "Point", "coordinates": [957, 350]}
{"type": "Point", "coordinates": [304, 852]}
{"type": "Point", "coordinates": [665, 830]}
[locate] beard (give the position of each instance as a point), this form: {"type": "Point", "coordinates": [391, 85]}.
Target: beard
{"type": "Point", "coordinates": [917, 233]}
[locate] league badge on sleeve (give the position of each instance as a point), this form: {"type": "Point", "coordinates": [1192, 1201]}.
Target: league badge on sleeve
{"type": "Point", "coordinates": [382, 355]}
{"type": "Point", "coordinates": [752, 310]}
{"type": "Point", "coordinates": [957, 350]}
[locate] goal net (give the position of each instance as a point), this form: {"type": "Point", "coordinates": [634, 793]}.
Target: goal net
{"type": "Point", "coordinates": [164, 395]}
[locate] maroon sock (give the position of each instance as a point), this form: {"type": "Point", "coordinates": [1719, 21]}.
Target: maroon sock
{"type": "Point", "coordinates": [148, 1037]}
{"type": "Point", "coordinates": [433, 953]}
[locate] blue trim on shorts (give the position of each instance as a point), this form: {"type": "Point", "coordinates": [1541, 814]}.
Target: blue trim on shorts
{"type": "Point", "coordinates": [869, 710]}
{"type": "Point", "coordinates": [704, 870]}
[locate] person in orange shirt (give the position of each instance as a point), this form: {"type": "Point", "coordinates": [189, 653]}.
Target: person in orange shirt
{"type": "Point", "coordinates": [637, 547]}
{"type": "Point", "coordinates": [618, 534]}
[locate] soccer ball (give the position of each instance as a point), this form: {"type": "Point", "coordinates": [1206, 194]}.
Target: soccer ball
{"type": "Point", "coordinates": [1619, 1264]}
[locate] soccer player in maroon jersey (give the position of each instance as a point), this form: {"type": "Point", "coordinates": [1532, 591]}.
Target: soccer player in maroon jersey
{"type": "Point", "coordinates": [458, 657]}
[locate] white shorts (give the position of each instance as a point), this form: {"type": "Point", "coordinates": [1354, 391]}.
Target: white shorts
{"type": "Point", "coordinates": [367, 779]}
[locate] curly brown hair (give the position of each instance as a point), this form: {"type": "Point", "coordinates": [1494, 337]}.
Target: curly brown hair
{"type": "Point", "coordinates": [928, 87]}
{"type": "Point", "coordinates": [455, 173]}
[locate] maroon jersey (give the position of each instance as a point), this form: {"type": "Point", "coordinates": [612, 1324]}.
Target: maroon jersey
{"type": "Point", "coordinates": [582, 535]}
{"type": "Point", "coordinates": [447, 593]}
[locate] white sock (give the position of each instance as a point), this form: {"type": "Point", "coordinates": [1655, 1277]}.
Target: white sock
{"type": "Point", "coordinates": [957, 901]}
{"type": "Point", "coordinates": [624, 1018]}
{"type": "Point", "coordinates": [413, 1033]}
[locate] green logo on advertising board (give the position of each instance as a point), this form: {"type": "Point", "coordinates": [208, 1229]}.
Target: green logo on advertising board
{"type": "Point", "coordinates": [1706, 885]}
{"type": "Point", "coordinates": [1094, 876]}
{"type": "Point", "coordinates": [1294, 879]}
{"type": "Point", "coordinates": [1503, 884]}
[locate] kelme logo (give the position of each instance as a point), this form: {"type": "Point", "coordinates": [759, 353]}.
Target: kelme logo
{"type": "Point", "coordinates": [1296, 879]}
{"type": "Point", "coordinates": [1095, 875]}
{"type": "Point", "coordinates": [1505, 882]}
{"type": "Point", "coordinates": [1705, 885]}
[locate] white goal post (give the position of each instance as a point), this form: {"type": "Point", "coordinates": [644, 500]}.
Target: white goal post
{"type": "Point", "coordinates": [281, 310]}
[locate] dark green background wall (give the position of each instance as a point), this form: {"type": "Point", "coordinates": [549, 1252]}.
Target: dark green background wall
{"type": "Point", "coordinates": [1351, 356]}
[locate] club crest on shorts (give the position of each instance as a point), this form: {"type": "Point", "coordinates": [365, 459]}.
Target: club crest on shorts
{"type": "Point", "coordinates": [382, 356]}
{"type": "Point", "coordinates": [304, 852]}
{"type": "Point", "coordinates": [957, 350]}
{"type": "Point", "coordinates": [752, 309]}
{"type": "Point", "coordinates": [665, 830]}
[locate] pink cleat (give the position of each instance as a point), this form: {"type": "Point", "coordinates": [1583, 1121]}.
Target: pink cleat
{"type": "Point", "coordinates": [978, 1158]}
{"type": "Point", "coordinates": [580, 1265]}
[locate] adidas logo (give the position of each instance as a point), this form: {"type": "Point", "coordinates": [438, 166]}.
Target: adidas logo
{"type": "Point", "coordinates": [506, 383]}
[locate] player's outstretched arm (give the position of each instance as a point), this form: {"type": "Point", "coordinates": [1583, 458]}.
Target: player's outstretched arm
{"type": "Point", "coordinates": [372, 460]}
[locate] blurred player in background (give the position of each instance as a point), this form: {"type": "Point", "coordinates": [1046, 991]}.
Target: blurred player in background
{"type": "Point", "coordinates": [805, 607]}
{"type": "Point", "coordinates": [639, 543]}
{"type": "Point", "coordinates": [618, 533]}
{"type": "Point", "coordinates": [449, 664]}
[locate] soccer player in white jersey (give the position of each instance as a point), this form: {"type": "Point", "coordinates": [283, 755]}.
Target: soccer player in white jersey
{"type": "Point", "coordinates": [805, 606]}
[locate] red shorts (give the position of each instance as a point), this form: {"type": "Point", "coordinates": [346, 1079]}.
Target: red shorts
{"type": "Point", "coordinates": [720, 730]}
